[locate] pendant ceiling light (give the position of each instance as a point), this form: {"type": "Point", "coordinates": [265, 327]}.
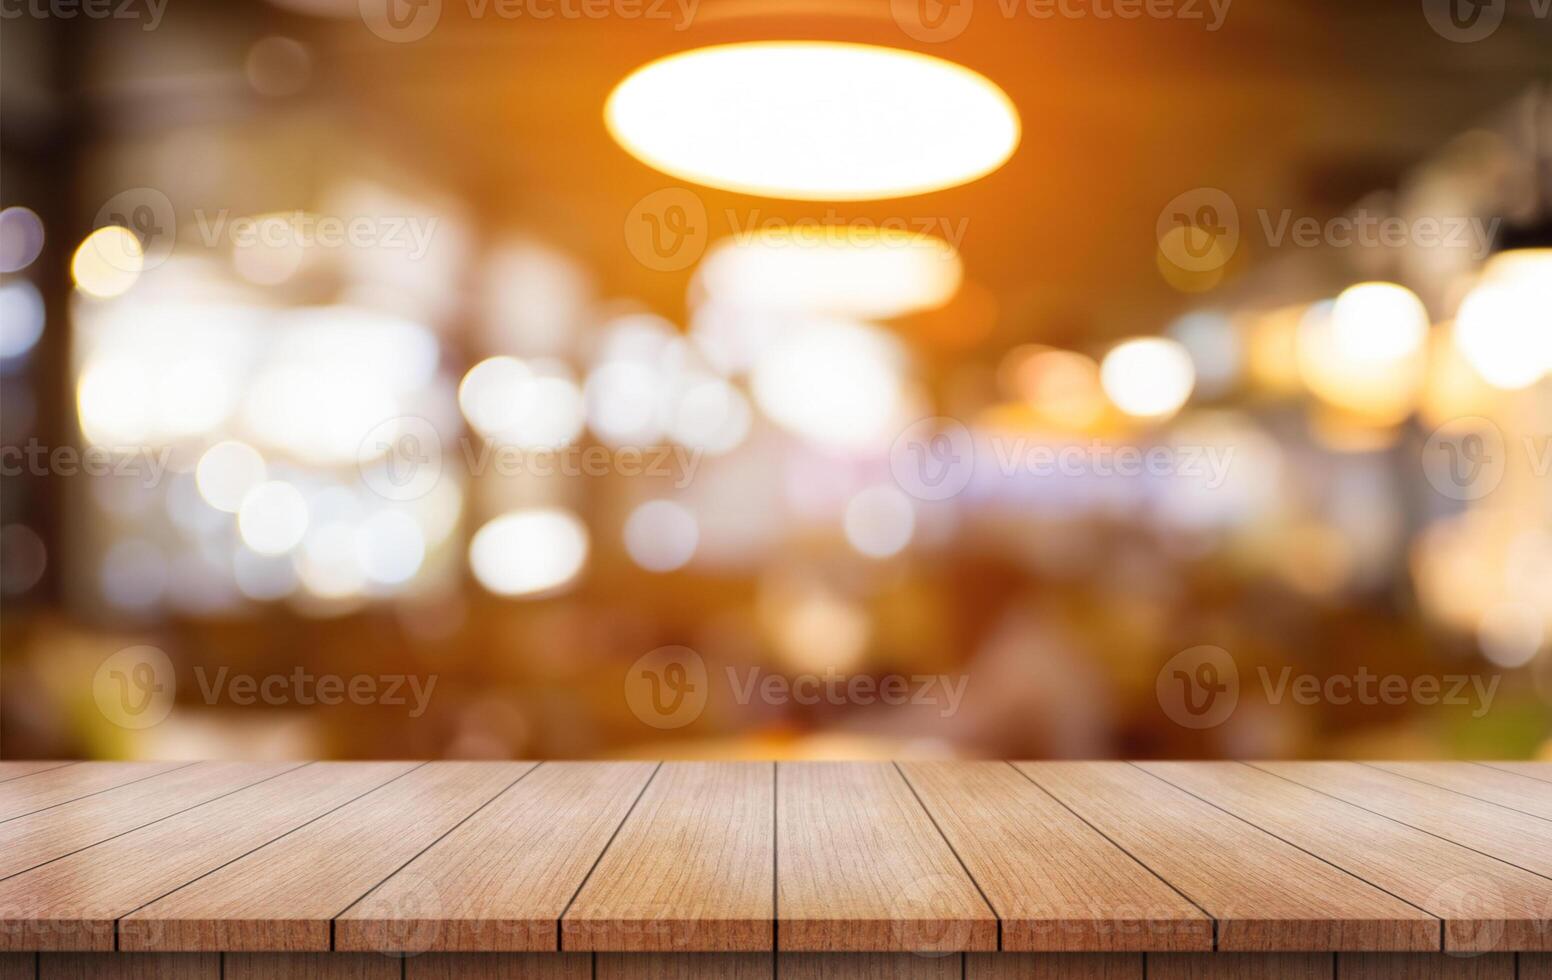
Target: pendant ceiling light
{"type": "Point", "coordinates": [813, 120]}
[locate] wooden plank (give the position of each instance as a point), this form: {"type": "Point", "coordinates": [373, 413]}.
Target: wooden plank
{"type": "Point", "coordinates": [500, 881]}
{"type": "Point", "coordinates": [37, 838]}
{"type": "Point", "coordinates": [18, 769]}
{"type": "Point", "coordinates": [1424, 966]}
{"type": "Point", "coordinates": [72, 903]}
{"type": "Point", "coordinates": [283, 896]}
{"type": "Point", "coordinates": [684, 966]}
{"type": "Point", "coordinates": [18, 966]}
{"type": "Point", "coordinates": [499, 966]}
{"type": "Point", "coordinates": [1535, 966]}
{"type": "Point", "coordinates": [692, 870]}
{"type": "Point", "coordinates": [1505, 834]}
{"type": "Point", "coordinates": [1053, 966]}
{"type": "Point", "coordinates": [1533, 770]}
{"type": "Point", "coordinates": [860, 867]}
{"type": "Point", "coordinates": [55, 786]}
{"type": "Point", "coordinates": [1241, 966]}
{"type": "Point", "coordinates": [1485, 904]}
{"type": "Point", "coordinates": [310, 966]}
{"type": "Point", "coordinates": [868, 966]}
{"type": "Point", "coordinates": [1267, 895]}
{"type": "Point", "coordinates": [112, 966]}
{"type": "Point", "coordinates": [1480, 782]}
{"type": "Point", "coordinates": [1054, 881]}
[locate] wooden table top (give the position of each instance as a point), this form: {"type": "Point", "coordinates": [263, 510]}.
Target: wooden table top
{"type": "Point", "coordinates": [800, 857]}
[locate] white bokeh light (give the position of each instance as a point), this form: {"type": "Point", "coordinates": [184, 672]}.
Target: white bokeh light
{"type": "Point", "coordinates": [661, 535]}
{"type": "Point", "coordinates": [835, 383]}
{"type": "Point", "coordinates": [880, 521]}
{"type": "Point", "coordinates": [390, 547]}
{"type": "Point", "coordinates": [531, 405]}
{"type": "Point", "coordinates": [1148, 377]}
{"type": "Point", "coordinates": [1378, 322]}
{"type": "Point", "coordinates": [272, 518]}
{"type": "Point", "coordinates": [226, 472]}
{"type": "Point", "coordinates": [529, 552]}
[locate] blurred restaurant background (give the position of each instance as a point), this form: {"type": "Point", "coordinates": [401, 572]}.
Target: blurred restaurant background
{"type": "Point", "coordinates": [351, 338]}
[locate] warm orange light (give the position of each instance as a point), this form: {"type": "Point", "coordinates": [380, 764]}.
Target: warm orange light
{"type": "Point", "coordinates": [814, 120]}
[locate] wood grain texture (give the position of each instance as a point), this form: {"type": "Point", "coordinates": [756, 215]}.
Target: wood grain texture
{"type": "Point", "coordinates": [1424, 966]}
{"type": "Point", "coordinates": [310, 966]}
{"type": "Point", "coordinates": [18, 966]}
{"type": "Point", "coordinates": [500, 881]}
{"type": "Point", "coordinates": [1481, 782]}
{"type": "Point", "coordinates": [868, 966]}
{"type": "Point", "coordinates": [1506, 834]}
{"type": "Point", "coordinates": [283, 896]}
{"type": "Point", "coordinates": [1531, 770]}
{"type": "Point", "coordinates": [55, 786]}
{"type": "Point", "coordinates": [72, 903]}
{"type": "Point", "coordinates": [115, 966]}
{"type": "Point", "coordinates": [29, 841]}
{"type": "Point", "coordinates": [1053, 966]}
{"type": "Point", "coordinates": [499, 966]}
{"type": "Point", "coordinates": [1535, 966]}
{"type": "Point", "coordinates": [860, 867]}
{"type": "Point", "coordinates": [1054, 881]}
{"type": "Point", "coordinates": [18, 769]}
{"type": "Point", "coordinates": [684, 966]}
{"type": "Point", "coordinates": [1485, 904]}
{"type": "Point", "coordinates": [692, 869]}
{"type": "Point", "coordinates": [1267, 895]}
{"type": "Point", "coordinates": [1241, 966]}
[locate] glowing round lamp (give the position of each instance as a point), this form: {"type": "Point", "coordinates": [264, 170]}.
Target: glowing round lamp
{"type": "Point", "coordinates": [813, 120]}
